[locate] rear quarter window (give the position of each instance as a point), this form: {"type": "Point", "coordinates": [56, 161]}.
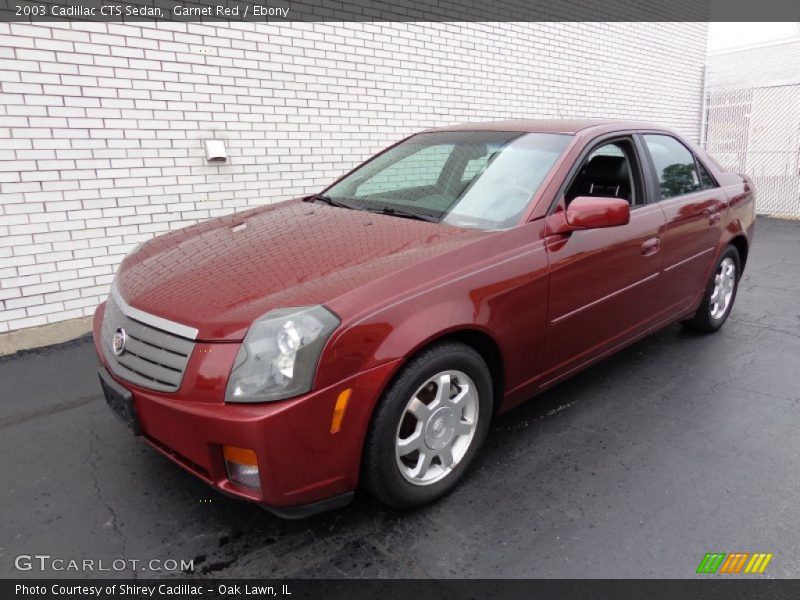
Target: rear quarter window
{"type": "Point", "coordinates": [706, 180]}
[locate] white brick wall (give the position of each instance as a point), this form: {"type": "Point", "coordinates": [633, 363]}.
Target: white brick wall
{"type": "Point", "coordinates": [101, 124]}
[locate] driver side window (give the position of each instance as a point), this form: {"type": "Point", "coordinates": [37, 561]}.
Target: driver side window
{"type": "Point", "coordinates": [608, 172]}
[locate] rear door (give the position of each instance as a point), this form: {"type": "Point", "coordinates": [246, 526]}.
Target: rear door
{"type": "Point", "coordinates": [692, 203]}
{"type": "Point", "coordinates": [603, 282]}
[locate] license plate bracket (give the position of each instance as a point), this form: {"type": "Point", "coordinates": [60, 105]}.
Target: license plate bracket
{"type": "Point", "coordinates": [120, 401]}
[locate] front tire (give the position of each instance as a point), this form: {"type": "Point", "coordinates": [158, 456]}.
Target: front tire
{"type": "Point", "coordinates": [720, 294]}
{"type": "Point", "coordinates": [428, 426]}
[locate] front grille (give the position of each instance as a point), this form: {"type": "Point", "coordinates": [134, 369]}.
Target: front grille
{"type": "Point", "coordinates": [153, 357]}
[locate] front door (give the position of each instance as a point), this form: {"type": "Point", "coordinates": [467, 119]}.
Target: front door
{"type": "Point", "coordinates": [603, 282]}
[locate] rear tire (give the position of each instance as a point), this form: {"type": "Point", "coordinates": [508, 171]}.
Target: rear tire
{"type": "Point", "coordinates": [720, 294]}
{"type": "Point", "coordinates": [428, 426]}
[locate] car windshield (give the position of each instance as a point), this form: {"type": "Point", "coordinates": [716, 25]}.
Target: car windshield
{"type": "Point", "coordinates": [474, 179]}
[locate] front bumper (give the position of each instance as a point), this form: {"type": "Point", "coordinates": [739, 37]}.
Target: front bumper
{"type": "Point", "coordinates": [303, 467]}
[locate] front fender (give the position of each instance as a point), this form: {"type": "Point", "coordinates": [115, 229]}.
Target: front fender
{"type": "Point", "coordinates": [505, 299]}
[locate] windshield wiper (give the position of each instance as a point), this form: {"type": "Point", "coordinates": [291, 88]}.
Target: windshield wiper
{"type": "Point", "coordinates": [386, 210]}
{"type": "Point", "coordinates": [329, 201]}
{"type": "Point", "coordinates": [405, 214]}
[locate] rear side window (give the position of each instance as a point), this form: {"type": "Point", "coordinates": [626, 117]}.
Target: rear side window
{"type": "Point", "coordinates": [675, 166]}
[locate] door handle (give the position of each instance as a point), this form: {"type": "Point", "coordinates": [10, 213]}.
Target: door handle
{"type": "Point", "coordinates": [714, 213]}
{"type": "Point", "coordinates": [651, 246]}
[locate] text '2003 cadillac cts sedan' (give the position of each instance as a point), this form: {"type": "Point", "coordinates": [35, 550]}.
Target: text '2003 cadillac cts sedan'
{"type": "Point", "coordinates": [365, 336]}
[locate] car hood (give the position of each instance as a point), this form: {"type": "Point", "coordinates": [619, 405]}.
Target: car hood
{"type": "Point", "coordinates": [220, 275]}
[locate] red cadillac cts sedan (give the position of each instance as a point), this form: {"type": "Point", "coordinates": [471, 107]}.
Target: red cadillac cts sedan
{"type": "Point", "coordinates": [365, 336]}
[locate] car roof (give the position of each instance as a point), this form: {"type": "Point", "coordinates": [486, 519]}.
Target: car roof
{"type": "Point", "coordinates": [567, 126]}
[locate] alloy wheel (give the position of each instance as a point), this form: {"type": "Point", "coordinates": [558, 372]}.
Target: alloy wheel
{"type": "Point", "coordinates": [724, 284]}
{"type": "Point", "coordinates": [437, 427]}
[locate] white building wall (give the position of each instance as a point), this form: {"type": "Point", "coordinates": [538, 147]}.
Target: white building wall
{"type": "Point", "coordinates": [102, 124]}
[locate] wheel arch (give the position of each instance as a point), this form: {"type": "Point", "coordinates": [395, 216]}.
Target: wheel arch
{"type": "Point", "coordinates": [479, 340]}
{"type": "Point", "coordinates": [490, 352]}
{"type": "Point", "coordinates": [740, 243]}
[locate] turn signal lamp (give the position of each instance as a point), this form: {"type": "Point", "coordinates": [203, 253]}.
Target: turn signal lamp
{"type": "Point", "coordinates": [242, 466]}
{"type": "Point", "coordinates": [338, 410]}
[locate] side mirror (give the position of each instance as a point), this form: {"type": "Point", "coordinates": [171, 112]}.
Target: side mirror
{"type": "Point", "coordinates": [592, 212]}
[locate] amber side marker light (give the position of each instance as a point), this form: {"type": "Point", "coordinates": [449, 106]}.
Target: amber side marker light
{"type": "Point", "coordinates": [339, 408]}
{"type": "Point", "coordinates": [242, 466]}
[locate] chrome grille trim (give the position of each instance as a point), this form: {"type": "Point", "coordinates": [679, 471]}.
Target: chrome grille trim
{"type": "Point", "coordinates": [178, 329]}
{"type": "Point", "coordinates": [154, 357]}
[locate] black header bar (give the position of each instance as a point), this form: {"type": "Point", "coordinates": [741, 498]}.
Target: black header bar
{"type": "Point", "coordinates": [398, 10]}
{"type": "Point", "coordinates": [704, 587]}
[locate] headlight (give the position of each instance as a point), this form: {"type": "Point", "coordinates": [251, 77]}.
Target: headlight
{"type": "Point", "coordinates": [279, 354]}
